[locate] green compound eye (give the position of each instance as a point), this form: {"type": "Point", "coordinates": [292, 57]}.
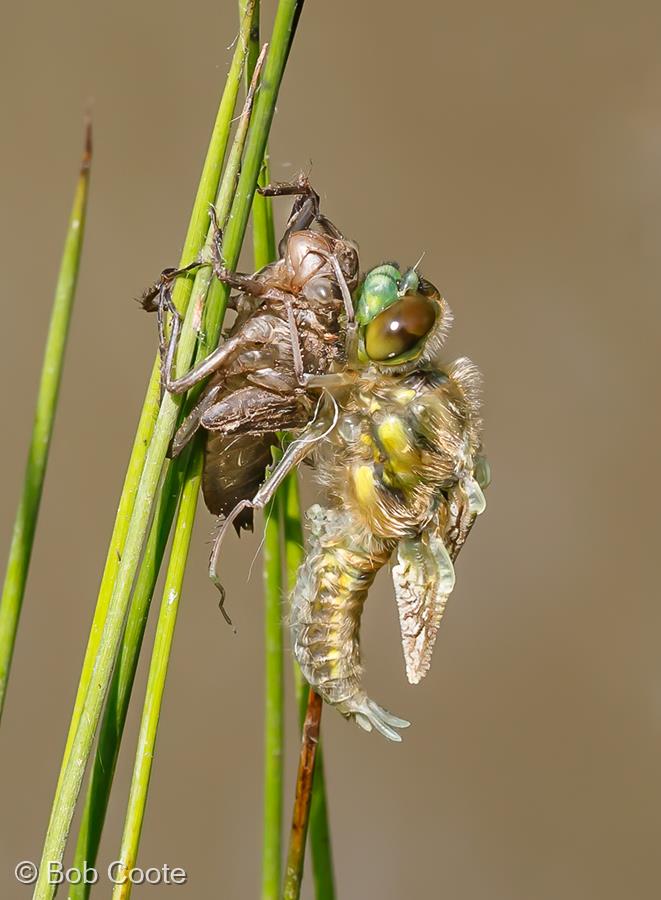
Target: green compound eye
{"type": "Point", "coordinates": [399, 328]}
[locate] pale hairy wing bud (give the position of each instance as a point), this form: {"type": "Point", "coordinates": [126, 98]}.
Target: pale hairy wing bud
{"type": "Point", "coordinates": [423, 579]}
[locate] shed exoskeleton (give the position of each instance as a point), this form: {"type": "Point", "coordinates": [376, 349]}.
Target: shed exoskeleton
{"type": "Point", "coordinates": [294, 320]}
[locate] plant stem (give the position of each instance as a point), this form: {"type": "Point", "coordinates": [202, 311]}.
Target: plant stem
{"type": "Point", "coordinates": [300, 818]}
{"type": "Point", "coordinates": [167, 417]}
{"type": "Point", "coordinates": [264, 252]}
{"type": "Point", "coordinates": [195, 235]}
{"type": "Point", "coordinates": [157, 674]}
{"type": "Point", "coordinates": [231, 244]}
{"type": "Point", "coordinates": [120, 691]}
{"type": "Point", "coordinates": [114, 717]}
{"type": "Point", "coordinates": [49, 387]}
{"type": "Point", "coordinates": [320, 839]}
{"type": "Point", "coordinates": [135, 506]}
{"type": "Point", "coordinates": [170, 603]}
{"type": "Point", "coordinates": [273, 706]}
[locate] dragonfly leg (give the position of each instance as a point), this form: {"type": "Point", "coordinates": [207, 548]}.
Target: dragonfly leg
{"type": "Point", "coordinates": [158, 298]}
{"type": "Point", "coordinates": [241, 282]}
{"type": "Point", "coordinates": [167, 276]}
{"type": "Point", "coordinates": [305, 211]}
{"type": "Point", "coordinates": [295, 453]}
{"type": "Point", "coordinates": [256, 410]}
{"type": "Point", "coordinates": [258, 331]}
{"type": "Point", "coordinates": [329, 381]}
{"type": "Point", "coordinates": [351, 339]}
{"type": "Point", "coordinates": [192, 422]}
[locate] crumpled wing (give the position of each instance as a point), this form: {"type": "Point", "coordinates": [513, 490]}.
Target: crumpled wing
{"type": "Point", "coordinates": [424, 576]}
{"type": "Point", "coordinates": [423, 579]}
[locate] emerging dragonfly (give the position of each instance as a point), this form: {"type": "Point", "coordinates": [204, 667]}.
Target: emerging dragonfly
{"type": "Point", "coordinates": [395, 439]}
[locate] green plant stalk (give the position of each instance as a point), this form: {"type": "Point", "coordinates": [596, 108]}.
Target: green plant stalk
{"type": "Point", "coordinates": [319, 827]}
{"type": "Point", "coordinates": [141, 597]}
{"type": "Point", "coordinates": [264, 252]}
{"type": "Point", "coordinates": [274, 717]}
{"type": "Point", "coordinates": [319, 834]}
{"type": "Point", "coordinates": [195, 235]}
{"type": "Point", "coordinates": [157, 674]}
{"type": "Point", "coordinates": [114, 718]}
{"type": "Point", "coordinates": [142, 769]}
{"type": "Point", "coordinates": [286, 17]}
{"type": "Point", "coordinates": [289, 521]}
{"type": "Point", "coordinates": [28, 510]}
{"type": "Point", "coordinates": [86, 719]}
{"type": "Point", "coordinates": [273, 706]}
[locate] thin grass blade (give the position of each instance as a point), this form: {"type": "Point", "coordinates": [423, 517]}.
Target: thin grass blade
{"type": "Point", "coordinates": [28, 510]}
{"type": "Point", "coordinates": [264, 252]}
{"type": "Point", "coordinates": [273, 706]}
{"type": "Point", "coordinates": [274, 695]}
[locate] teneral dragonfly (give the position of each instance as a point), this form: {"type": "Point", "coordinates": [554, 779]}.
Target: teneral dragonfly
{"type": "Point", "coordinates": [397, 448]}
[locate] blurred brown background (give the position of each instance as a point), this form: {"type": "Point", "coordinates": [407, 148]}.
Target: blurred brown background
{"type": "Point", "coordinates": [519, 145]}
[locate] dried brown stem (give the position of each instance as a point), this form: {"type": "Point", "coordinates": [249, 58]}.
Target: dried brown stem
{"type": "Point", "coordinates": [299, 825]}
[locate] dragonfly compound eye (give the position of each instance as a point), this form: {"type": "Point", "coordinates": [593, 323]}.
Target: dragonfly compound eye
{"type": "Point", "coordinates": [399, 329]}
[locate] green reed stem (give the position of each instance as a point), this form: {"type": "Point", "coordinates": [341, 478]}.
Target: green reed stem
{"type": "Point", "coordinates": [135, 508]}
{"type": "Point", "coordinates": [319, 827]}
{"type": "Point", "coordinates": [49, 387]}
{"type": "Point", "coordinates": [157, 674]}
{"type": "Point", "coordinates": [264, 252]}
{"type": "Point", "coordinates": [120, 690]}
{"type": "Point", "coordinates": [185, 517]}
{"type": "Point", "coordinates": [233, 236]}
{"type": "Point", "coordinates": [195, 236]}
{"type": "Point", "coordinates": [119, 695]}
{"type": "Point", "coordinates": [274, 704]}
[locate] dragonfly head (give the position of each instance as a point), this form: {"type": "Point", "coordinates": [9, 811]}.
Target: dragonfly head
{"type": "Point", "coordinates": [402, 318]}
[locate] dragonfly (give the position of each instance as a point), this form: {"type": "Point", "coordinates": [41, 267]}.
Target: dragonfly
{"type": "Point", "coordinates": [394, 436]}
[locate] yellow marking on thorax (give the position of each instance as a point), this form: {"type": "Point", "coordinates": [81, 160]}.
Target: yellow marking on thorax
{"type": "Point", "coordinates": [403, 456]}
{"type": "Point", "coordinates": [363, 481]}
{"type": "Point", "coordinates": [405, 396]}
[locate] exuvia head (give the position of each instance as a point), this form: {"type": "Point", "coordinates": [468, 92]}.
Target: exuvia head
{"type": "Point", "coordinates": [398, 313]}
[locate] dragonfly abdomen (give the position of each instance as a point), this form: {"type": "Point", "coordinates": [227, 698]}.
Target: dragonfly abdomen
{"type": "Point", "coordinates": [326, 608]}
